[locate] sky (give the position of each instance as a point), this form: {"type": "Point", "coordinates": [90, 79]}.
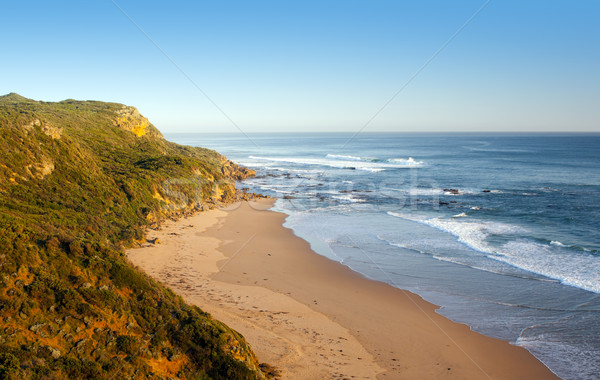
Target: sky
{"type": "Point", "coordinates": [283, 66]}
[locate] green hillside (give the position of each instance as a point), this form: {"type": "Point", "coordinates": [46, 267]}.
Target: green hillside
{"type": "Point", "coordinates": [79, 181]}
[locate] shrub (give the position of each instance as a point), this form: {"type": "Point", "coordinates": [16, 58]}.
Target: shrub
{"type": "Point", "coordinates": [9, 365]}
{"type": "Point", "coordinates": [127, 344]}
{"type": "Point", "coordinates": [81, 369]}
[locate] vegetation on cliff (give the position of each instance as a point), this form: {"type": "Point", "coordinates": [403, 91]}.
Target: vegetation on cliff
{"type": "Point", "coordinates": [80, 180]}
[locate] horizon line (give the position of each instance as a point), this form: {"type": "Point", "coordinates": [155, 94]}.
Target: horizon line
{"type": "Point", "coordinates": [392, 132]}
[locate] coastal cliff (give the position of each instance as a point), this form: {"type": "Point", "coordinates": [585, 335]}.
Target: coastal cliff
{"type": "Point", "coordinates": [79, 182]}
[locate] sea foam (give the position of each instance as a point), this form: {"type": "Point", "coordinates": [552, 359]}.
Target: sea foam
{"type": "Point", "coordinates": [569, 268]}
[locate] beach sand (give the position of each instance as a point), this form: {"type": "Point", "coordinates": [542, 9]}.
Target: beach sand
{"type": "Point", "coordinates": [309, 316]}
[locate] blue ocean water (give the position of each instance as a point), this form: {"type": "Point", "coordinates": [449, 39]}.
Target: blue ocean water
{"type": "Point", "coordinates": [502, 231]}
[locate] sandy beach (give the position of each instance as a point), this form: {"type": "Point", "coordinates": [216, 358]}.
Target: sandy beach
{"type": "Point", "coordinates": [309, 316]}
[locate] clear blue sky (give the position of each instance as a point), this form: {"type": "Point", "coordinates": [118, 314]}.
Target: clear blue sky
{"type": "Point", "coordinates": [314, 65]}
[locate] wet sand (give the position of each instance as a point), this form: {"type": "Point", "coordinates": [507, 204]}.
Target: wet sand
{"type": "Point", "coordinates": [311, 317]}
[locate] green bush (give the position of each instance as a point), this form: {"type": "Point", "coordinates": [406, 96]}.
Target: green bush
{"type": "Point", "coordinates": [81, 369]}
{"type": "Point", "coordinates": [127, 344]}
{"type": "Point", "coordinates": [9, 365]}
{"type": "Point", "coordinates": [124, 275]}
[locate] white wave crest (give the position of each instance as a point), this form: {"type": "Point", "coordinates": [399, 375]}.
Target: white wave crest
{"type": "Point", "coordinates": [348, 198]}
{"type": "Point", "coordinates": [558, 244]}
{"type": "Point", "coordinates": [340, 164]}
{"type": "Point", "coordinates": [275, 188]}
{"type": "Point", "coordinates": [343, 157]}
{"type": "Point", "coordinates": [405, 161]}
{"type": "Point", "coordinates": [424, 191]}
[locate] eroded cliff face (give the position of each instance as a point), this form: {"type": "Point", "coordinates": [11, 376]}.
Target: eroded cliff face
{"type": "Point", "coordinates": [130, 119]}
{"type": "Point", "coordinates": [201, 191]}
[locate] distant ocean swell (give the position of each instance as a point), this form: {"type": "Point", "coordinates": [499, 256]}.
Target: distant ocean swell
{"type": "Point", "coordinates": [552, 260]}
{"type": "Point", "coordinates": [501, 231]}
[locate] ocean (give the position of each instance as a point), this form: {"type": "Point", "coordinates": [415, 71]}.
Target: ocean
{"type": "Point", "coordinates": [501, 230]}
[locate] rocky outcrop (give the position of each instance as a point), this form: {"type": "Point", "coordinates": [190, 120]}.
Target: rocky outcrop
{"type": "Point", "coordinates": [234, 171]}
{"type": "Point", "coordinates": [29, 126]}
{"type": "Point", "coordinates": [47, 128]}
{"type": "Point", "coordinates": [130, 119]}
{"type": "Point", "coordinates": [52, 131]}
{"type": "Point", "coordinates": [41, 168]}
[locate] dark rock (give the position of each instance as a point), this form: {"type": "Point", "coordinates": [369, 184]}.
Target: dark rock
{"type": "Point", "coordinates": [80, 346]}
{"type": "Point", "coordinates": [81, 343]}
{"type": "Point", "coordinates": [153, 241]}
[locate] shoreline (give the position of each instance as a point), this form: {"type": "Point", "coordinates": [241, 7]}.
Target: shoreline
{"type": "Point", "coordinates": [313, 317]}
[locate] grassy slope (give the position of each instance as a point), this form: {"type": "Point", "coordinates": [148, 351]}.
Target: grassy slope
{"type": "Point", "coordinates": [78, 182]}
